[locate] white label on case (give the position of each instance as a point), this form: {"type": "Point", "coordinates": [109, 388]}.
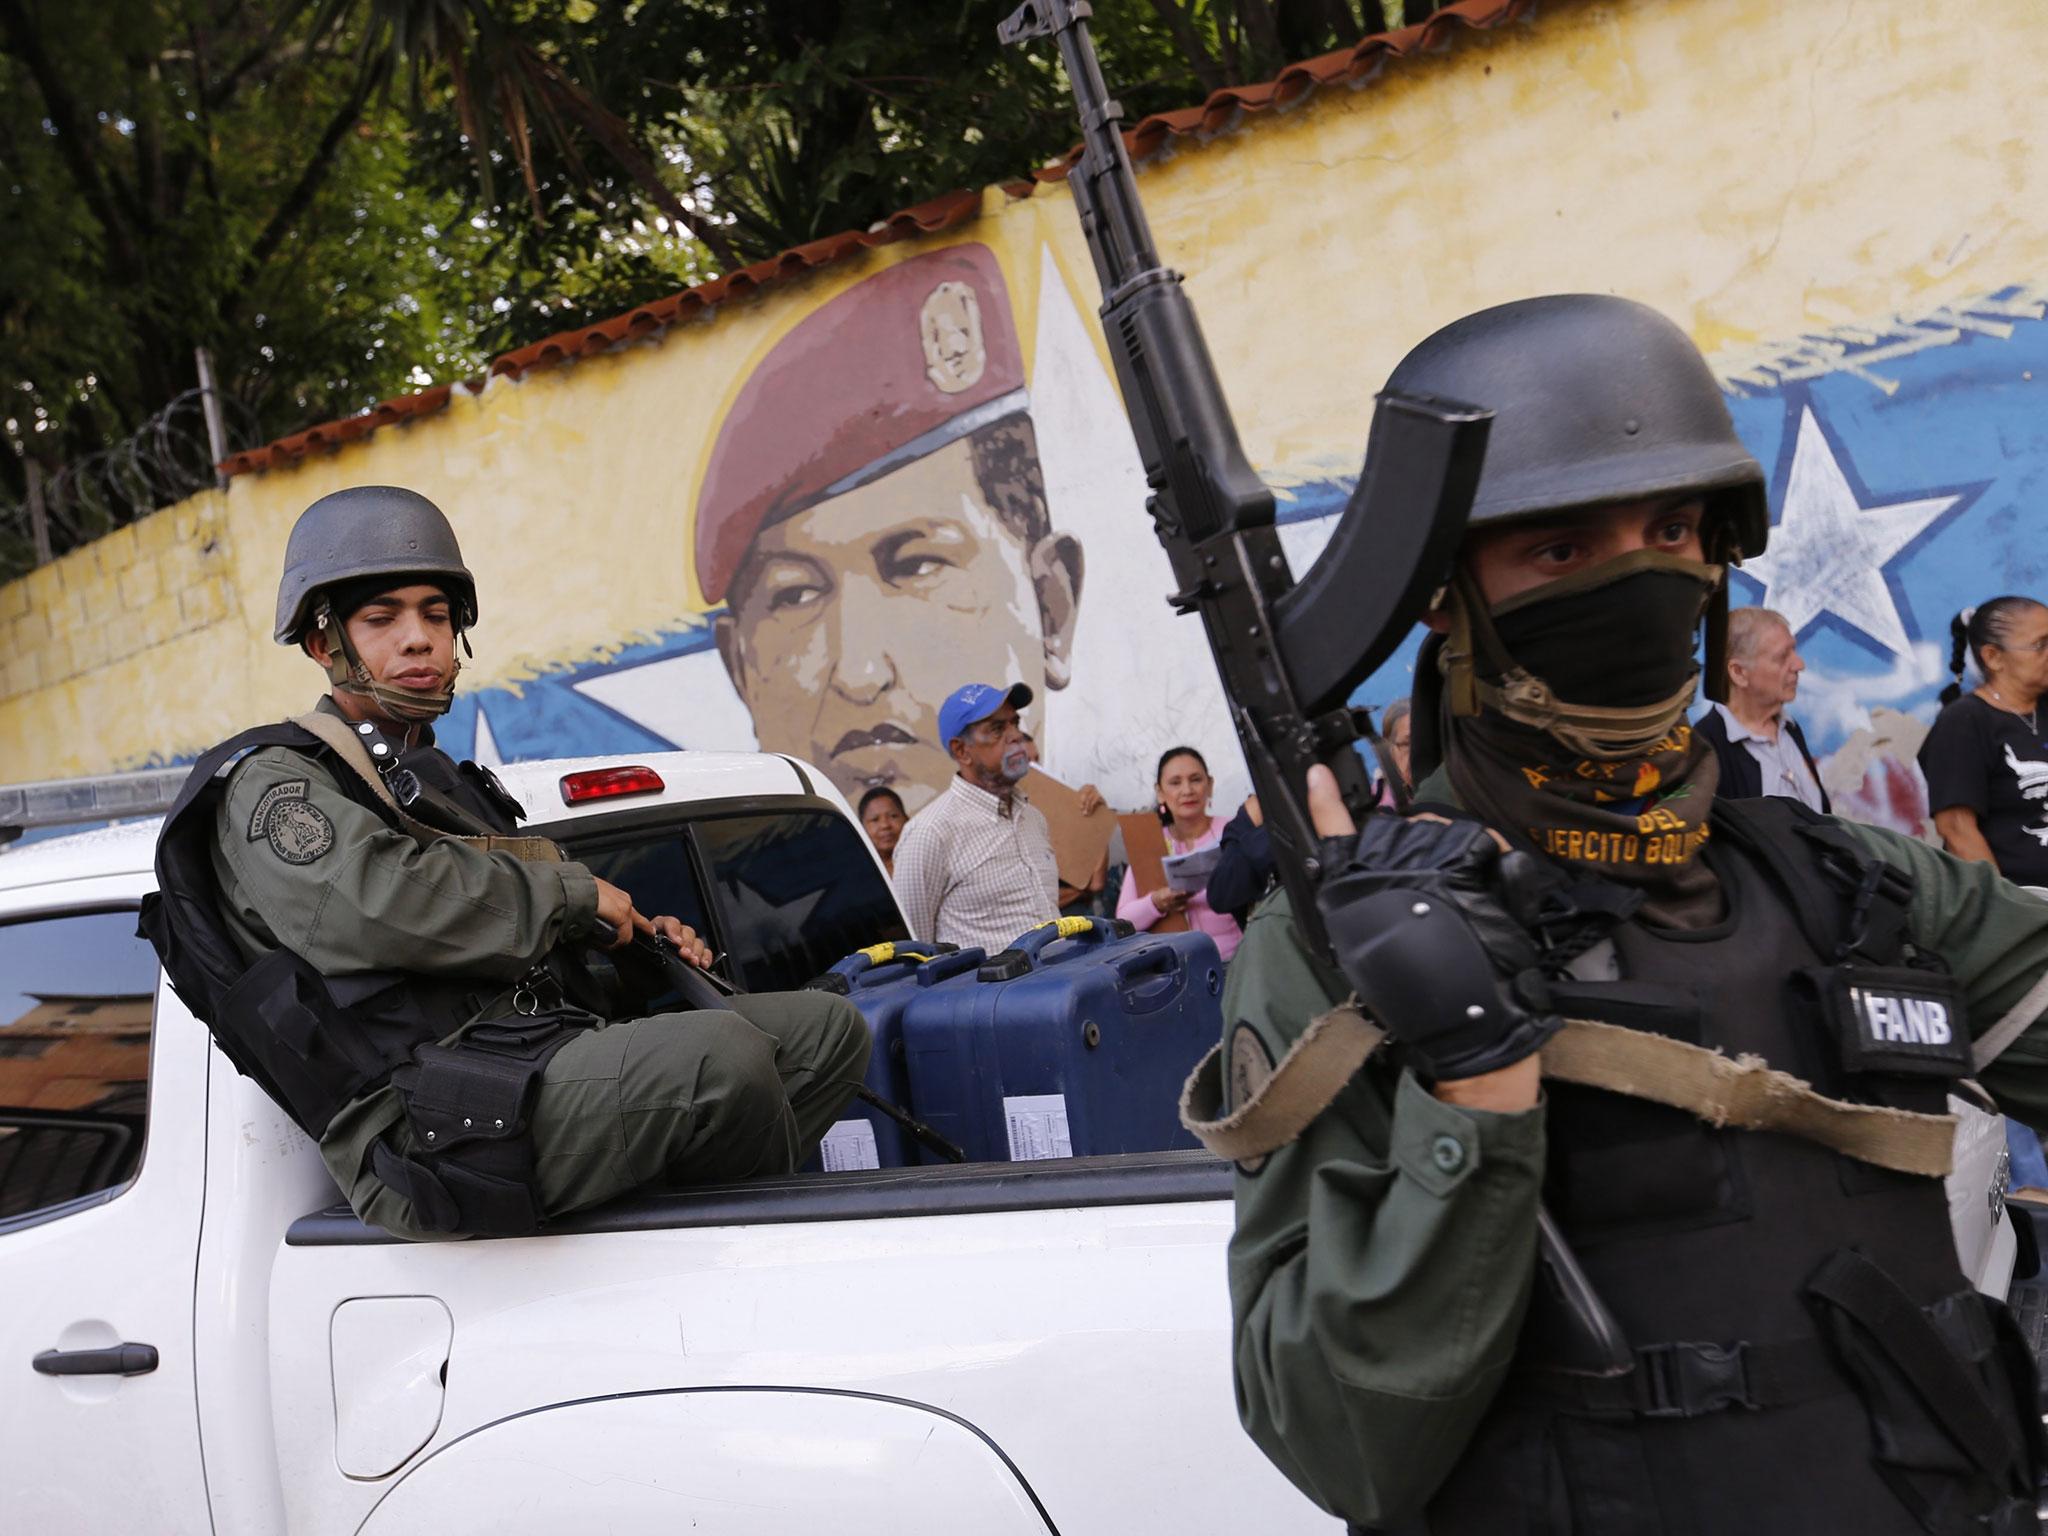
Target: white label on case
{"type": "Point", "coordinates": [1037, 1124]}
{"type": "Point", "coordinates": [849, 1144]}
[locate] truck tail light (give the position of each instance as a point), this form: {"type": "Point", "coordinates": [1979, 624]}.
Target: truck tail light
{"type": "Point", "coordinates": [610, 784]}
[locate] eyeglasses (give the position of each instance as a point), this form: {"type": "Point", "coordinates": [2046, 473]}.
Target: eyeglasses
{"type": "Point", "coordinates": [2032, 647]}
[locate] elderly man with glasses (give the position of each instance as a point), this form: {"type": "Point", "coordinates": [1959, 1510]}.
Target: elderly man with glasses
{"type": "Point", "coordinates": [976, 866]}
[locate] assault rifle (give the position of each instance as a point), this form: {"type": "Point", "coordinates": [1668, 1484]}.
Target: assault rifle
{"type": "Point", "coordinates": [1290, 652]}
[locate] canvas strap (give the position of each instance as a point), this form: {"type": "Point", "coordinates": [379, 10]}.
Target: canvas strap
{"type": "Point", "coordinates": [1743, 1092]}
{"type": "Point", "coordinates": [349, 748]}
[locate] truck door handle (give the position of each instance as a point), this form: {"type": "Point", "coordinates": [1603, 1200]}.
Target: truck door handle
{"type": "Point", "coordinates": [120, 1360]}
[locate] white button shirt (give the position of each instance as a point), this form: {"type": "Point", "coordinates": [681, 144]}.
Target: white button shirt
{"type": "Point", "coordinates": [973, 869]}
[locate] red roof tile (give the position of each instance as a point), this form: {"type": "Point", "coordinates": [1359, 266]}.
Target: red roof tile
{"type": "Point", "coordinates": [1353, 66]}
{"type": "Point", "coordinates": [332, 434]}
{"type": "Point", "coordinates": [926, 218]}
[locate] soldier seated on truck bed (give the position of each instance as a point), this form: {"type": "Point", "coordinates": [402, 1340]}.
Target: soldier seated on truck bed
{"type": "Point", "coordinates": [420, 1000]}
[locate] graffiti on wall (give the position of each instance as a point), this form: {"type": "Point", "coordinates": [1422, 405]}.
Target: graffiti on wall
{"type": "Point", "coordinates": [906, 493]}
{"type": "Point", "coordinates": [893, 505]}
{"type": "Point", "coordinates": [1907, 462]}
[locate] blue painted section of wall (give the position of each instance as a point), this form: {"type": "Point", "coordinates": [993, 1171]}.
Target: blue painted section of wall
{"type": "Point", "coordinates": [1965, 422]}
{"type": "Point", "coordinates": [547, 717]}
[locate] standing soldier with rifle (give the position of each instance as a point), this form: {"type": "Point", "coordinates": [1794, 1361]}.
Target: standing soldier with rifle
{"type": "Point", "coordinates": [1742, 1315]}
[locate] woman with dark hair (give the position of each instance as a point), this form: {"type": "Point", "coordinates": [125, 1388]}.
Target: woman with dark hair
{"type": "Point", "coordinates": [881, 813]}
{"type": "Point", "coordinates": [1183, 787]}
{"type": "Point", "coordinates": [1986, 761]}
{"type": "Point", "coordinates": [1396, 725]}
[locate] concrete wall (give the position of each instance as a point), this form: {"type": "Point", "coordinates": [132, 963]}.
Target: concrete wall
{"type": "Point", "coordinates": [1843, 203]}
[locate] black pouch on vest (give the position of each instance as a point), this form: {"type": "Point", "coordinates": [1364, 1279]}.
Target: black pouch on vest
{"type": "Point", "coordinates": [280, 1010]}
{"type": "Point", "coordinates": [480, 1088]}
{"type": "Point", "coordinates": [1893, 1019]}
{"type": "Point", "coordinates": [1950, 1394]}
{"type": "Point", "coordinates": [469, 1105]}
{"type": "Point", "coordinates": [1621, 1167]}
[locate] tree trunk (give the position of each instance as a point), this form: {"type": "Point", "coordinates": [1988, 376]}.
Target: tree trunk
{"type": "Point", "coordinates": [317, 168]}
{"type": "Point", "coordinates": [1199, 59]}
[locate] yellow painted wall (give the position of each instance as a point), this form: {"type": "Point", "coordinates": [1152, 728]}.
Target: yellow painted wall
{"type": "Point", "coordinates": [1760, 171]}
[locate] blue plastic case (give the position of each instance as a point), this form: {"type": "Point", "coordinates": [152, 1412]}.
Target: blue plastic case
{"type": "Point", "coordinates": [1074, 1041]}
{"type": "Point", "coordinates": [880, 981]}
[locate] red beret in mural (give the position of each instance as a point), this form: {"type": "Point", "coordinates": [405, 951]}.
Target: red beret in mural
{"type": "Point", "coordinates": [896, 367]}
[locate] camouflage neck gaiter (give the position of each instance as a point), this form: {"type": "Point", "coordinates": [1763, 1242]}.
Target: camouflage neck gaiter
{"type": "Point", "coordinates": [1639, 820]}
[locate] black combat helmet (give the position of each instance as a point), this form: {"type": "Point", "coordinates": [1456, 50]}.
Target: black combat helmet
{"type": "Point", "coordinates": [1596, 399]}
{"type": "Point", "coordinates": [368, 530]}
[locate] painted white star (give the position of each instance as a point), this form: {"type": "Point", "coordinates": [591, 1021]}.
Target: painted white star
{"type": "Point", "coordinates": [686, 700]}
{"type": "Point", "coordinates": [1828, 552]}
{"type": "Point", "coordinates": [486, 750]}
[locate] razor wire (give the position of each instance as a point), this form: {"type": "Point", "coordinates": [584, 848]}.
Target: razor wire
{"type": "Point", "coordinates": [159, 464]}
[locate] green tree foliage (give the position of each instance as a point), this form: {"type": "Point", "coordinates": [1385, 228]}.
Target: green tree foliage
{"type": "Point", "coordinates": [346, 199]}
{"type": "Point", "coordinates": [179, 173]}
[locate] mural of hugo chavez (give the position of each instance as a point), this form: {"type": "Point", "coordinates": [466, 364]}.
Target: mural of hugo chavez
{"type": "Point", "coordinates": [873, 515]}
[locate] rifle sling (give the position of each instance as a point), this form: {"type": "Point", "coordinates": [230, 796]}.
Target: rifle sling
{"type": "Point", "coordinates": [349, 748]}
{"type": "Point", "coordinates": [1743, 1092]}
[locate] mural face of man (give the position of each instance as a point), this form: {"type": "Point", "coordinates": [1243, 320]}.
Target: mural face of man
{"type": "Point", "coordinates": [850, 622]}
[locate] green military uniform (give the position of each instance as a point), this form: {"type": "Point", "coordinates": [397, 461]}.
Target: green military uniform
{"type": "Point", "coordinates": [691, 1097]}
{"type": "Point", "coordinates": [1382, 1262]}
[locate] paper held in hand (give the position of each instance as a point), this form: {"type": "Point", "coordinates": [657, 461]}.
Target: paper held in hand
{"type": "Point", "coordinates": [1190, 872]}
{"type": "Point", "coordinates": [1078, 842]}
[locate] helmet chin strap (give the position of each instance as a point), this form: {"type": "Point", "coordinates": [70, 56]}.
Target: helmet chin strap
{"type": "Point", "coordinates": [1598, 732]}
{"type": "Point", "coordinates": [345, 670]}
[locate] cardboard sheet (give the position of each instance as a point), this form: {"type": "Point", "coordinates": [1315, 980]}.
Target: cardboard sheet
{"type": "Point", "coordinates": [1078, 842]}
{"type": "Point", "coordinates": [1145, 849]}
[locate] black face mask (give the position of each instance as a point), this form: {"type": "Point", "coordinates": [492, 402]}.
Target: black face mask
{"type": "Point", "coordinates": [1623, 637]}
{"type": "Point", "coordinates": [1602, 659]}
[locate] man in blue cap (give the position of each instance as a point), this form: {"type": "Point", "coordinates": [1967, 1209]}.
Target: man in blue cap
{"type": "Point", "coordinates": [976, 866]}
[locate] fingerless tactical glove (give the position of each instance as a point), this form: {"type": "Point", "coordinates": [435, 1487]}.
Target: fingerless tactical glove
{"type": "Point", "coordinates": [1430, 922]}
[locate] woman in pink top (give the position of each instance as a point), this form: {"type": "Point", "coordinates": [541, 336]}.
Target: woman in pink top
{"type": "Point", "coordinates": [1183, 786]}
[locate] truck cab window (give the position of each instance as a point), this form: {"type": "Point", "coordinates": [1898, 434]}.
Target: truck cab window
{"type": "Point", "coordinates": [782, 893]}
{"type": "Point", "coordinates": [655, 871]}
{"type": "Point", "coordinates": [796, 891]}
{"type": "Point", "coordinates": [76, 999]}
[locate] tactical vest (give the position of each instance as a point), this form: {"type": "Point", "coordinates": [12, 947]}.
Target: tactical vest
{"type": "Point", "coordinates": [316, 1043]}
{"type": "Point", "coordinates": [1808, 1356]}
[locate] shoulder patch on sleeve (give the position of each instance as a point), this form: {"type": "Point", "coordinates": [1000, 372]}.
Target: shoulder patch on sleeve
{"type": "Point", "coordinates": [297, 830]}
{"type": "Point", "coordinates": [259, 819]}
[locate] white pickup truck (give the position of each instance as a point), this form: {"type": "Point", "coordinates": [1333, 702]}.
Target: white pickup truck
{"type": "Point", "coordinates": [198, 1339]}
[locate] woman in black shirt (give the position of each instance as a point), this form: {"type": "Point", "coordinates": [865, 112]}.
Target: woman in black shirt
{"type": "Point", "coordinates": [1986, 760]}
